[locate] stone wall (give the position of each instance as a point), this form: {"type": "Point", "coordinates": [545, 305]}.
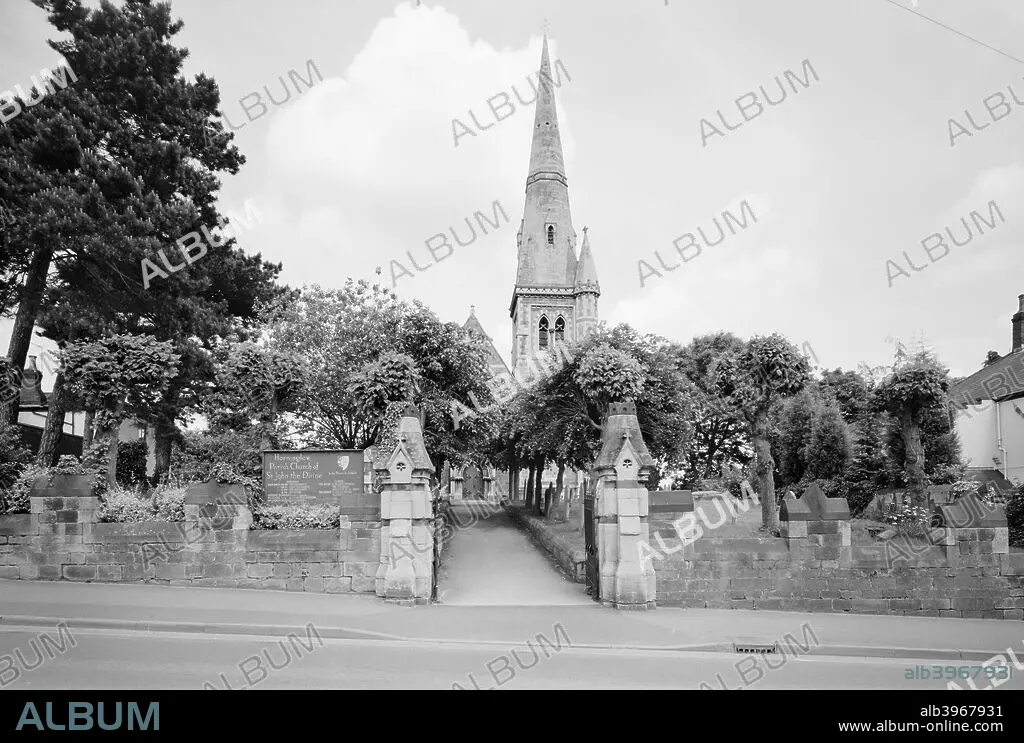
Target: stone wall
{"type": "Point", "coordinates": [968, 573]}
{"type": "Point", "coordinates": [62, 540]}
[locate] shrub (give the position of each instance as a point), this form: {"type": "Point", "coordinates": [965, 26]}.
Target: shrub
{"type": "Point", "coordinates": [131, 462]}
{"type": "Point", "coordinates": [963, 487]}
{"type": "Point", "coordinates": [224, 456]}
{"type": "Point", "coordinates": [130, 506]}
{"type": "Point", "coordinates": [13, 456]}
{"type": "Point", "coordinates": [1015, 516]}
{"type": "Point", "coordinates": [733, 483]}
{"type": "Point", "coordinates": [17, 495]}
{"type": "Point", "coordinates": [859, 496]}
{"type": "Point", "coordinates": [69, 465]}
{"type": "Point", "coordinates": [297, 517]}
{"type": "Point", "coordinates": [169, 502]}
{"type": "Point", "coordinates": [124, 506]}
{"type": "Point", "coordinates": [908, 519]}
{"type": "Point", "coordinates": [949, 474]}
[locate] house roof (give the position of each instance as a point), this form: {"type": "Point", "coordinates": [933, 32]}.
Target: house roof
{"type": "Point", "coordinates": [1000, 380]}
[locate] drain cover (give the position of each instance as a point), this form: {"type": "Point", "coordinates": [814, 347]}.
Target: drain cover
{"type": "Point", "coordinates": [748, 648]}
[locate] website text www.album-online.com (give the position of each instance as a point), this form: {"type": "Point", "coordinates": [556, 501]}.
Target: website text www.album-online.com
{"type": "Point", "coordinates": [951, 718]}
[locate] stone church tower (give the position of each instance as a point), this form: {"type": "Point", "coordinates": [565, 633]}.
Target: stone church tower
{"type": "Point", "coordinates": [556, 292]}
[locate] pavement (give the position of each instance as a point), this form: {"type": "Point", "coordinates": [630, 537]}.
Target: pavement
{"type": "Point", "coordinates": [490, 562]}
{"type": "Point", "coordinates": [496, 588]}
{"type": "Point", "coordinates": [175, 609]}
{"type": "Point", "coordinates": [110, 660]}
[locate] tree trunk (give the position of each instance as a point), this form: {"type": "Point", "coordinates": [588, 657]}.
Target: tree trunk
{"type": "Point", "coordinates": [515, 482]}
{"type": "Point", "coordinates": [917, 480]}
{"type": "Point", "coordinates": [529, 488]}
{"type": "Point", "coordinates": [54, 426]}
{"type": "Point", "coordinates": [556, 500]}
{"type": "Point", "coordinates": [87, 429]}
{"type": "Point", "coordinates": [584, 488]}
{"type": "Point", "coordinates": [113, 436]}
{"type": "Point", "coordinates": [112, 442]}
{"type": "Point", "coordinates": [439, 474]}
{"type": "Point", "coordinates": [163, 440]}
{"type": "Point", "coordinates": [763, 471]}
{"type": "Point", "coordinates": [267, 434]}
{"type": "Point", "coordinates": [28, 310]}
{"type": "Point", "coordinates": [538, 488]}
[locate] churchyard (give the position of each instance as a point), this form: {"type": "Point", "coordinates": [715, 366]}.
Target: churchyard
{"type": "Point", "coordinates": [331, 438]}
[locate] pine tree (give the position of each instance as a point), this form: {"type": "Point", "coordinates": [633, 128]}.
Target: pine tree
{"type": "Point", "coordinates": [105, 174]}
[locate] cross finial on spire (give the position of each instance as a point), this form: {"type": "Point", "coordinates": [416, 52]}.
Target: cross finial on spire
{"type": "Point", "coordinates": [472, 309]}
{"type": "Point", "coordinates": [546, 26]}
{"type": "Point", "coordinates": [584, 229]}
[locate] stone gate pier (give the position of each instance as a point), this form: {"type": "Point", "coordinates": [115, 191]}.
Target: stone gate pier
{"type": "Point", "coordinates": [627, 581]}
{"type": "Point", "coordinates": [406, 571]}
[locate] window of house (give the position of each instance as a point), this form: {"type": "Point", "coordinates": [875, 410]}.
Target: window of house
{"type": "Point", "coordinates": [543, 343]}
{"type": "Point", "coordinates": [560, 329]}
{"type": "Point", "coordinates": [551, 234]}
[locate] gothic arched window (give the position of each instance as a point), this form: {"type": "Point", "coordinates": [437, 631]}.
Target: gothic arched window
{"type": "Point", "coordinates": [543, 343]}
{"type": "Point", "coordinates": [551, 234]}
{"type": "Point", "coordinates": [560, 329]}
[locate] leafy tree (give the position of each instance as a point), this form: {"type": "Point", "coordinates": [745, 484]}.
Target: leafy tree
{"type": "Point", "coordinates": [105, 174]}
{"type": "Point", "coordinates": [767, 369]}
{"type": "Point", "coordinates": [852, 393]}
{"type": "Point", "coordinates": [607, 375]}
{"type": "Point", "coordinates": [830, 446]}
{"type": "Point", "coordinates": [812, 439]}
{"type": "Point", "coordinates": [558, 420]}
{"type": "Point", "coordinates": [792, 434]}
{"type": "Point", "coordinates": [719, 432]}
{"type": "Point", "coordinates": [365, 349]}
{"type": "Point", "coordinates": [908, 394]}
{"type": "Point", "coordinates": [938, 438]}
{"type": "Point", "coordinates": [254, 384]}
{"type": "Point", "coordinates": [120, 377]}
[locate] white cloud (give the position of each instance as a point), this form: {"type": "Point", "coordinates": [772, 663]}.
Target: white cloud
{"type": "Point", "coordinates": [364, 169]}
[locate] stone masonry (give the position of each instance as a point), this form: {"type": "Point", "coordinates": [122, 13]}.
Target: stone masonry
{"type": "Point", "coordinates": [406, 570]}
{"type": "Point", "coordinates": [62, 540]}
{"type": "Point", "coordinates": [627, 580]}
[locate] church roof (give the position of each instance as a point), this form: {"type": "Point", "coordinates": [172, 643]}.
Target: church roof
{"type": "Point", "coordinates": [495, 363]}
{"type": "Point", "coordinates": [586, 270]}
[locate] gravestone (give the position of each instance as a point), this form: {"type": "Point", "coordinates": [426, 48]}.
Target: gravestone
{"type": "Point", "coordinates": [318, 477]}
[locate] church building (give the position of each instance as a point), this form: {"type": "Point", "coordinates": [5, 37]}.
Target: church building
{"type": "Point", "coordinates": [556, 291]}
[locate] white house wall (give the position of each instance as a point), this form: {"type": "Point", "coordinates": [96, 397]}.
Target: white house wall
{"type": "Point", "coordinates": [978, 432]}
{"type": "Point", "coordinates": [1012, 418]}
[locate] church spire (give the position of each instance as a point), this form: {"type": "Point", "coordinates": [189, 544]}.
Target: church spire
{"type": "Point", "coordinates": [547, 240]}
{"type": "Point", "coordinates": [546, 160]}
{"type": "Point", "coordinates": [586, 271]}
{"type": "Point", "coordinates": [586, 291]}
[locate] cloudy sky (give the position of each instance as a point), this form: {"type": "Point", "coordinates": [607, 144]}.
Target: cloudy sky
{"type": "Point", "coordinates": [843, 175]}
